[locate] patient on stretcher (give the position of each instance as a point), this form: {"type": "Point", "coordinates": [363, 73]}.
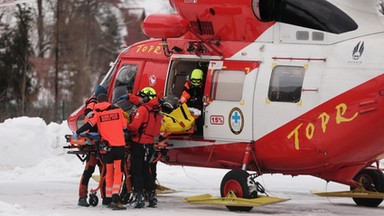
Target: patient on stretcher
{"type": "Point", "coordinates": [179, 121]}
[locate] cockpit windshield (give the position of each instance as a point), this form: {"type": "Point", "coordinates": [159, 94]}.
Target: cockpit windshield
{"type": "Point", "coordinates": [124, 84]}
{"type": "Point", "coordinates": [107, 79]}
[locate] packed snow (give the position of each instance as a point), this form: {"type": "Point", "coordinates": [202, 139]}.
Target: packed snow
{"type": "Point", "coordinates": [38, 178]}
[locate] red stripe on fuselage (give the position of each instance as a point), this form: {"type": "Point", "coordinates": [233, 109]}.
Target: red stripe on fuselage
{"type": "Point", "coordinates": [350, 137]}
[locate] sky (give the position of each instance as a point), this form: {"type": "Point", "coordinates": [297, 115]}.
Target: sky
{"type": "Point", "coordinates": [154, 6]}
{"type": "Point", "coordinates": [39, 178]}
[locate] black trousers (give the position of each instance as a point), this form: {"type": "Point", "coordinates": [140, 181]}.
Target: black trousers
{"type": "Point", "coordinates": [142, 168]}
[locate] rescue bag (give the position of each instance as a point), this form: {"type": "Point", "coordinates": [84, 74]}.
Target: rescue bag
{"type": "Point", "coordinates": [179, 120]}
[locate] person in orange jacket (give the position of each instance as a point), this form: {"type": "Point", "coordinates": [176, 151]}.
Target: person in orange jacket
{"type": "Point", "coordinates": [144, 127]}
{"type": "Point", "coordinates": [194, 90]}
{"type": "Point", "coordinates": [111, 125]}
{"type": "Point", "coordinates": [91, 159]}
{"type": "Point", "coordinates": [193, 94]}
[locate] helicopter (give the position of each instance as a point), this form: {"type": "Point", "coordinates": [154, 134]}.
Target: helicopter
{"type": "Point", "coordinates": [292, 87]}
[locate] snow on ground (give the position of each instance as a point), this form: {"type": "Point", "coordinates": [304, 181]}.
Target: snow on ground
{"type": "Point", "coordinates": [38, 178]}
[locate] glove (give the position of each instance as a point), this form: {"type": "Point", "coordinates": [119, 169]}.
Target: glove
{"type": "Point", "coordinates": [182, 100]}
{"type": "Point", "coordinates": [122, 97]}
{"type": "Point", "coordinates": [74, 136]}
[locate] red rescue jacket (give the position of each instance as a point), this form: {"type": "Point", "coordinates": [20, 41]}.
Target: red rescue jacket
{"type": "Point", "coordinates": [146, 123]}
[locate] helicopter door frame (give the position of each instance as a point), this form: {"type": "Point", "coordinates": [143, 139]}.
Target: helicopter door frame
{"type": "Point", "coordinates": [229, 91]}
{"type": "Point", "coordinates": [180, 68]}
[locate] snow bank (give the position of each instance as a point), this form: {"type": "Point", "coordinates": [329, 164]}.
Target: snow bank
{"type": "Point", "coordinates": [27, 141]}
{"type": "Point", "coordinates": [31, 148]}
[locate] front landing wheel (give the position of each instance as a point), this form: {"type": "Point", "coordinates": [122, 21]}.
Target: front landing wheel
{"type": "Point", "coordinates": [236, 181]}
{"type": "Point", "coordinates": [370, 180]}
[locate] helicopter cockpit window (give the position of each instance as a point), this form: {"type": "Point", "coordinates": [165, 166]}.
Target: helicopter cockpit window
{"type": "Point", "coordinates": [107, 78]}
{"type": "Point", "coordinates": [227, 85]}
{"type": "Point", "coordinates": [316, 14]}
{"type": "Point", "coordinates": [124, 83]}
{"type": "Point", "coordinates": [286, 84]}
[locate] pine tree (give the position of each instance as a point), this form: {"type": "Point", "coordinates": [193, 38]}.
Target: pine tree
{"type": "Point", "coordinates": [16, 73]}
{"type": "Point", "coordinates": [5, 65]}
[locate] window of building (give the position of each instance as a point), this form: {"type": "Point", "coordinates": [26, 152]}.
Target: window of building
{"type": "Point", "coordinates": [227, 85]}
{"type": "Point", "coordinates": [286, 84]}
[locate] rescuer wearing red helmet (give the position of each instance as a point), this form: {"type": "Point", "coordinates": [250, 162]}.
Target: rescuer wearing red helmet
{"type": "Point", "coordinates": [111, 125]}
{"type": "Point", "coordinates": [144, 127]}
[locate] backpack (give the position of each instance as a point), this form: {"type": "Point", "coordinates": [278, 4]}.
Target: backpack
{"type": "Point", "coordinates": [153, 124]}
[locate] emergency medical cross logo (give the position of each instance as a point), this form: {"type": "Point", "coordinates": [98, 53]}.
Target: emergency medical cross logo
{"type": "Point", "coordinates": [236, 121]}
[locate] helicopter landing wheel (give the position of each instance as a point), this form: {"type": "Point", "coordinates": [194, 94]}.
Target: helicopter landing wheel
{"type": "Point", "coordinates": [236, 181]}
{"type": "Point", "coordinates": [370, 180]}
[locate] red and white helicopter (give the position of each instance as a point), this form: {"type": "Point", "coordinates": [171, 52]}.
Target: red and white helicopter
{"type": "Point", "coordinates": [292, 86]}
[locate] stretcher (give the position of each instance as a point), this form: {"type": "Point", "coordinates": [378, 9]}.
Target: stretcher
{"type": "Point", "coordinates": [179, 121]}
{"type": "Point", "coordinates": [89, 143]}
{"type": "Point", "coordinates": [82, 147]}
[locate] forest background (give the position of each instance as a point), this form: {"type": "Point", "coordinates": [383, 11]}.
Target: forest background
{"type": "Point", "coordinates": [54, 52]}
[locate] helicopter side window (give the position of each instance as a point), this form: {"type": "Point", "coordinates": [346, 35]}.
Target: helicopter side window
{"type": "Point", "coordinates": [227, 85]}
{"type": "Point", "coordinates": [124, 83]}
{"type": "Point", "coordinates": [286, 84]}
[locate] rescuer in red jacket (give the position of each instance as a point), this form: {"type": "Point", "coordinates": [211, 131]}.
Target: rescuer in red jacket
{"type": "Point", "coordinates": [111, 124]}
{"type": "Point", "coordinates": [144, 127]}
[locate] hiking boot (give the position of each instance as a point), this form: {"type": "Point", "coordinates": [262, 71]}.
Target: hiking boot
{"type": "Point", "coordinates": [139, 201]}
{"type": "Point", "coordinates": [127, 198]}
{"type": "Point", "coordinates": [116, 206]}
{"type": "Point", "coordinates": [83, 202]}
{"type": "Point", "coordinates": [152, 199]}
{"type": "Point", "coordinates": [107, 201]}
{"type": "Point", "coordinates": [116, 203]}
